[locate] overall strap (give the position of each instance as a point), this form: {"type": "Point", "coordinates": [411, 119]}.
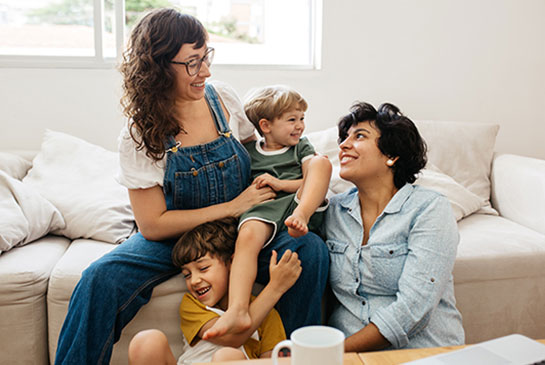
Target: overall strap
{"type": "Point", "coordinates": [212, 98]}
{"type": "Point", "coordinates": [171, 145]}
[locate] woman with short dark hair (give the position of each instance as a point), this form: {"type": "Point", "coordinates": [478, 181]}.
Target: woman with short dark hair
{"type": "Point", "coordinates": [392, 245]}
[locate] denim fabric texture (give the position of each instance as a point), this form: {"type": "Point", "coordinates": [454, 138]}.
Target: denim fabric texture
{"type": "Point", "coordinates": [401, 280]}
{"type": "Point", "coordinates": [113, 288]}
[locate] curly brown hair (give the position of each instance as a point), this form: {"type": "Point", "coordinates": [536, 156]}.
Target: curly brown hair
{"type": "Point", "coordinates": [215, 238]}
{"type": "Point", "coordinates": [149, 80]}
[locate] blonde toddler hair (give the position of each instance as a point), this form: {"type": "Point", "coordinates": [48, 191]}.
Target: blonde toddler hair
{"type": "Point", "coordinates": [271, 102]}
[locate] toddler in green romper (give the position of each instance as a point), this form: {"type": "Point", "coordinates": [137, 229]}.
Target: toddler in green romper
{"type": "Point", "coordinates": [285, 162]}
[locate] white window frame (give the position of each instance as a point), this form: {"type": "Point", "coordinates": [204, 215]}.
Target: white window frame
{"type": "Point", "coordinates": [99, 61]}
{"type": "Point", "coordinates": [96, 61]}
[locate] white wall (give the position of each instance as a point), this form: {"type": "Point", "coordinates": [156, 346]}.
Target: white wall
{"type": "Point", "coordinates": [476, 61]}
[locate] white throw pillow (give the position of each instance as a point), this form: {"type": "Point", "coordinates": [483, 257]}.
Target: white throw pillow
{"type": "Point", "coordinates": [463, 201]}
{"type": "Point", "coordinates": [464, 152]}
{"type": "Point", "coordinates": [26, 215]}
{"type": "Point", "coordinates": [15, 166]}
{"type": "Point", "coordinates": [78, 178]}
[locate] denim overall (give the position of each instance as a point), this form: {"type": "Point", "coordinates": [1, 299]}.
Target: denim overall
{"type": "Point", "coordinates": [113, 288]}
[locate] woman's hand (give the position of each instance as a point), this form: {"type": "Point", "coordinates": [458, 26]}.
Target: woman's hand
{"type": "Point", "coordinates": [251, 196]}
{"type": "Point", "coordinates": [285, 272]}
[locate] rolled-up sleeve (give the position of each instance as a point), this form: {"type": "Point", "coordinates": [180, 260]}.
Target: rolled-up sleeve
{"type": "Point", "coordinates": [432, 245]}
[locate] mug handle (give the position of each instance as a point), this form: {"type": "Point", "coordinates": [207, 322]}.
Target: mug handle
{"type": "Point", "coordinates": [277, 348]}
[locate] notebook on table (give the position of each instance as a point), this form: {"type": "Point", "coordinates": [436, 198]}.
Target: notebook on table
{"type": "Point", "coordinates": [513, 350]}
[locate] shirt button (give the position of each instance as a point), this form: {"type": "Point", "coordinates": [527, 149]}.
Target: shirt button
{"type": "Point", "coordinates": [221, 164]}
{"type": "Point", "coordinates": [432, 280]}
{"type": "Point", "coordinates": [357, 280]}
{"type": "Point", "coordinates": [391, 252]}
{"type": "Point", "coordinates": [363, 302]}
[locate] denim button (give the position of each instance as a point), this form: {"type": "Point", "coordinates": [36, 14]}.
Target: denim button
{"type": "Point", "coordinates": [221, 164]}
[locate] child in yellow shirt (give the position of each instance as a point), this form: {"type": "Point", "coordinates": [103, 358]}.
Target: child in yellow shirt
{"type": "Point", "coordinates": [204, 254]}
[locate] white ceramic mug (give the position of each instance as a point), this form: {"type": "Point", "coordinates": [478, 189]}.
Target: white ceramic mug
{"type": "Point", "coordinates": [313, 345]}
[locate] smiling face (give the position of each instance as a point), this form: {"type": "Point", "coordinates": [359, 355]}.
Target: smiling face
{"type": "Point", "coordinates": [190, 88]}
{"type": "Point", "coordinates": [285, 130]}
{"type": "Point", "coordinates": [207, 279]}
{"type": "Point", "coordinates": [360, 157]}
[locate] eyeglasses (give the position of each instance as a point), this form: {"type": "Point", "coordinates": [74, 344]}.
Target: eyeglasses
{"type": "Point", "coordinates": [194, 66]}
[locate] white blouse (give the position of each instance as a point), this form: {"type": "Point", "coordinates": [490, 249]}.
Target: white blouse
{"type": "Point", "coordinates": [138, 171]}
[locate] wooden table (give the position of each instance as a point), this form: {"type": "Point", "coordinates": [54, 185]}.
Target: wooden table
{"type": "Point", "coordinates": [351, 358]}
{"type": "Point", "coordinates": [365, 358]}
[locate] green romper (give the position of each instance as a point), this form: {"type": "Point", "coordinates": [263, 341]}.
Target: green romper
{"type": "Point", "coordinates": [284, 164]}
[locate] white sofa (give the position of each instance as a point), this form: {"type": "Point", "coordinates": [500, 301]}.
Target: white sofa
{"type": "Point", "coordinates": [499, 273]}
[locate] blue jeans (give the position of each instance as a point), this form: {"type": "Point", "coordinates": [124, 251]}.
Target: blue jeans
{"type": "Point", "coordinates": [113, 288]}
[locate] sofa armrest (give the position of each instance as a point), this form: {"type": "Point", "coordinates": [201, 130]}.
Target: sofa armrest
{"type": "Point", "coordinates": [518, 189]}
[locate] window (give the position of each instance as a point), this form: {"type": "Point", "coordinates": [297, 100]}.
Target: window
{"type": "Point", "coordinates": [91, 33]}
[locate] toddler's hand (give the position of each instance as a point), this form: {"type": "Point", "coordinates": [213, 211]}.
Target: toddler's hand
{"type": "Point", "coordinates": [285, 272]}
{"type": "Point", "coordinates": [268, 180]}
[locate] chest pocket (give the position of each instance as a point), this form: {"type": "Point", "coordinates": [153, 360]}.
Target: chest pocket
{"type": "Point", "coordinates": [387, 262]}
{"type": "Point", "coordinates": [339, 262]}
{"type": "Point", "coordinates": [214, 183]}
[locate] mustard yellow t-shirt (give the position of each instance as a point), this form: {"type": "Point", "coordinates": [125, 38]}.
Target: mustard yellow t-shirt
{"type": "Point", "coordinates": [194, 315]}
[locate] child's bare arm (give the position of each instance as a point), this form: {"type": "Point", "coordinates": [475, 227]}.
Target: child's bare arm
{"type": "Point", "coordinates": [284, 274]}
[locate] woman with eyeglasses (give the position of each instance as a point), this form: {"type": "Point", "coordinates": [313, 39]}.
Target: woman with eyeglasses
{"type": "Point", "coordinates": [392, 245]}
{"type": "Point", "coordinates": [183, 163]}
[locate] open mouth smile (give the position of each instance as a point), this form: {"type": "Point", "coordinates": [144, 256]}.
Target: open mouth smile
{"type": "Point", "coordinates": [202, 291]}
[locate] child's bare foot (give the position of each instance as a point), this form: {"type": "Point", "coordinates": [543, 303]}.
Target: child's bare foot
{"type": "Point", "coordinates": [297, 225]}
{"type": "Point", "coordinates": [232, 321]}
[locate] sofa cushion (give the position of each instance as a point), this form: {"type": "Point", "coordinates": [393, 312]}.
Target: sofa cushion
{"type": "Point", "coordinates": [14, 165]}
{"type": "Point", "coordinates": [24, 274]}
{"type": "Point", "coordinates": [161, 312]}
{"type": "Point", "coordinates": [499, 278]}
{"type": "Point", "coordinates": [26, 215]}
{"type": "Point", "coordinates": [493, 248]}
{"type": "Point", "coordinates": [464, 152]}
{"type": "Point", "coordinates": [78, 178]}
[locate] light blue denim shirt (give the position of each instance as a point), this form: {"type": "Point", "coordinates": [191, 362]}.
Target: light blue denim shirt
{"type": "Point", "coordinates": [401, 280]}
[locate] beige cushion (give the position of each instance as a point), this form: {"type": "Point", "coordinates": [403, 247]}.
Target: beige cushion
{"type": "Point", "coordinates": [161, 312]}
{"type": "Point", "coordinates": [499, 278]}
{"type": "Point", "coordinates": [24, 275]}
{"type": "Point", "coordinates": [14, 165]}
{"type": "Point", "coordinates": [26, 215]}
{"type": "Point", "coordinates": [462, 201]}
{"type": "Point", "coordinates": [464, 152]}
{"type": "Point", "coordinates": [493, 247]}
{"type": "Point", "coordinates": [78, 178]}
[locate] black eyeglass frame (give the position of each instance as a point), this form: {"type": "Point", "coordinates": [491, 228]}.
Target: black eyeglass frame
{"type": "Point", "coordinates": [199, 61]}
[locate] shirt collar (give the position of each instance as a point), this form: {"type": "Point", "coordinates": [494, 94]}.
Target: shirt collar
{"type": "Point", "coordinates": [399, 198]}
{"type": "Point", "coordinates": [351, 201]}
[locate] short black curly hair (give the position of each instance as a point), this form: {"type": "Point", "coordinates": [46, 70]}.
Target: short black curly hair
{"type": "Point", "coordinates": [399, 137]}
